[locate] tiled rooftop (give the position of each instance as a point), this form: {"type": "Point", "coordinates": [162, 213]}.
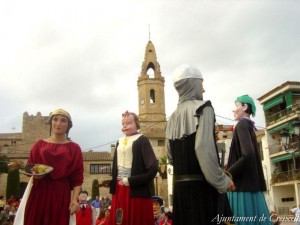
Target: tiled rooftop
{"type": "Point", "coordinates": [96, 156]}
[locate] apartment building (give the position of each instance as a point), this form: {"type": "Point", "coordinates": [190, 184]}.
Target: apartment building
{"type": "Point", "coordinates": [281, 108]}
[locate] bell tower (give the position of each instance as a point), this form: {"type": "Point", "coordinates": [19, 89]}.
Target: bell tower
{"type": "Point", "coordinates": [151, 101]}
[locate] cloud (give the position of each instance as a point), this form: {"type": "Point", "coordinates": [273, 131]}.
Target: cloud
{"type": "Point", "coordinates": [86, 56]}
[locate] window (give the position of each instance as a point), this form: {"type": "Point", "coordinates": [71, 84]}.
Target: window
{"type": "Point", "coordinates": [152, 96]}
{"type": "Point", "coordinates": [290, 199]}
{"type": "Point", "coordinates": [100, 169]}
{"type": "Point", "coordinates": [161, 142]}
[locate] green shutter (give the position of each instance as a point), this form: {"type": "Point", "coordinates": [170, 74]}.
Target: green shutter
{"type": "Point", "coordinates": [289, 99]}
{"type": "Point", "coordinates": [281, 158]}
{"type": "Point", "coordinates": [284, 157]}
{"type": "Point", "coordinates": [274, 101]}
{"type": "Point", "coordinates": [280, 127]}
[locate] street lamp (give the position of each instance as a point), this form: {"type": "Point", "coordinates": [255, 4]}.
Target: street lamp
{"type": "Point", "coordinates": [170, 171]}
{"type": "Point", "coordinates": [291, 142]}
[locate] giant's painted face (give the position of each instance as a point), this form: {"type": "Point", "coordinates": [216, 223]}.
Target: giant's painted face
{"type": "Point", "coordinates": [156, 208]}
{"type": "Point", "coordinates": [60, 124]}
{"type": "Point", "coordinates": [82, 197]}
{"type": "Point", "coordinates": [128, 125]}
{"type": "Point", "coordinates": [239, 111]}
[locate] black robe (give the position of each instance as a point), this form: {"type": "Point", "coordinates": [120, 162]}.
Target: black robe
{"type": "Point", "coordinates": [195, 201]}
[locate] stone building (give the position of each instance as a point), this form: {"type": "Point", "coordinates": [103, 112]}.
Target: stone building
{"type": "Point", "coordinates": [151, 102]}
{"type": "Point", "coordinates": [281, 106]}
{"type": "Point", "coordinates": [151, 98]}
{"type": "Point", "coordinates": [33, 128]}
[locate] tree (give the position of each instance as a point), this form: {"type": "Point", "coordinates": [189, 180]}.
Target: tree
{"type": "Point", "coordinates": [163, 167]}
{"type": "Point", "coordinates": [95, 189]}
{"type": "Point", "coordinates": [3, 164]}
{"type": "Point", "coordinates": [13, 184]}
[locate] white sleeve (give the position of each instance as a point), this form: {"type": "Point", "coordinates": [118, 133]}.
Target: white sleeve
{"type": "Point", "coordinates": [293, 210]}
{"type": "Point", "coordinates": [169, 154]}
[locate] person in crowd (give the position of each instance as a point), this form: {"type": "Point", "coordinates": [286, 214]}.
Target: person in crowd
{"type": "Point", "coordinates": [157, 209]}
{"type": "Point", "coordinates": [104, 220]}
{"type": "Point", "coordinates": [191, 149]}
{"type": "Point", "coordinates": [12, 218]}
{"type": "Point", "coordinates": [167, 218]}
{"type": "Point", "coordinates": [101, 215]}
{"type": "Point", "coordinates": [107, 202]}
{"type": "Point", "coordinates": [245, 167]}
{"type": "Point", "coordinates": [13, 201]}
{"type": "Point", "coordinates": [4, 215]}
{"type": "Point", "coordinates": [102, 203]}
{"type": "Point", "coordinates": [53, 196]}
{"type": "Point", "coordinates": [85, 215]}
{"type": "Point", "coordinates": [2, 203]}
{"type": "Point", "coordinates": [296, 211]}
{"type": "Point", "coordinates": [133, 171]}
{"type": "Point", "coordinates": [13, 211]}
{"type": "Point", "coordinates": [96, 205]}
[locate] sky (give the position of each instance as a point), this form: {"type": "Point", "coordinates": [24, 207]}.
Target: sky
{"type": "Point", "coordinates": [86, 57]}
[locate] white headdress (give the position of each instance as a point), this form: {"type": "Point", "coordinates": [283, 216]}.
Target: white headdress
{"type": "Point", "coordinates": [186, 71]}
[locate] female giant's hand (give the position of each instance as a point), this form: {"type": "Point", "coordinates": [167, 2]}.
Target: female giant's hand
{"type": "Point", "coordinates": [74, 207]}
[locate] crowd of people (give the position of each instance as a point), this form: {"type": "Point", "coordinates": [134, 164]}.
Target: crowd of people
{"type": "Point", "coordinates": [97, 212]}
{"type": "Point", "coordinates": [8, 210]}
{"type": "Point", "coordinates": [203, 192]}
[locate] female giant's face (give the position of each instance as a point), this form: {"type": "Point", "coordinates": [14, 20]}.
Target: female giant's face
{"type": "Point", "coordinates": [128, 125]}
{"type": "Point", "coordinates": [239, 111]}
{"type": "Point", "coordinates": [59, 124]}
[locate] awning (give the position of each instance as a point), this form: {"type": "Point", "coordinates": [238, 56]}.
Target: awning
{"type": "Point", "coordinates": [289, 99]}
{"type": "Point", "coordinates": [280, 127]}
{"type": "Point", "coordinates": [281, 158]}
{"type": "Point", "coordinates": [284, 157]}
{"type": "Point", "coordinates": [275, 101]}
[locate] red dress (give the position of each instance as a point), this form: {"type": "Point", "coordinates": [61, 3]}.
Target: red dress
{"type": "Point", "coordinates": [50, 197]}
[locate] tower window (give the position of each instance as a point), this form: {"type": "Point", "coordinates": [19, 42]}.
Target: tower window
{"type": "Point", "coordinates": [152, 96]}
{"type": "Point", "coordinates": [161, 142]}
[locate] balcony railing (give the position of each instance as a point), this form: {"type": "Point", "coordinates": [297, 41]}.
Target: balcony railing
{"type": "Point", "coordinates": [291, 175]}
{"type": "Point", "coordinates": [281, 115]}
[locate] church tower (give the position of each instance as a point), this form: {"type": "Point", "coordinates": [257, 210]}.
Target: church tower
{"type": "Point", "coordinates": [151, 99]}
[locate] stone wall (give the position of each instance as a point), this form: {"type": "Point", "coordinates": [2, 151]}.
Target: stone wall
{"type": "Point", "coordinates": [163, 190]}
{"type": "Point", "coordinates": [34, 128]}
{"type": "Point", "coordinates": [3, 179]}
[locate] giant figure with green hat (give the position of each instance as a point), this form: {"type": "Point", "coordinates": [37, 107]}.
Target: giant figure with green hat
{"type": "Point", "coordinates": [245, 167]}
